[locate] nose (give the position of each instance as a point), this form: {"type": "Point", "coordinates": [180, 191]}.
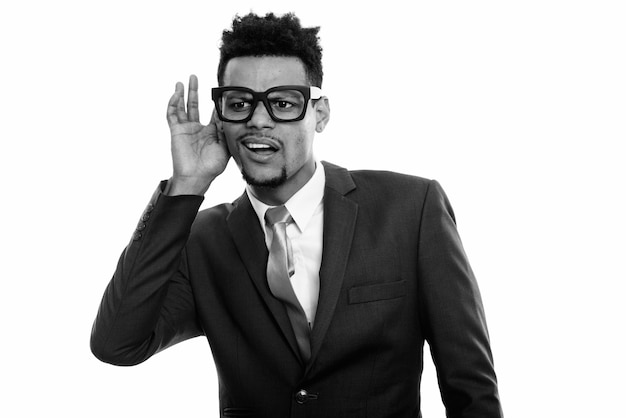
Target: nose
{"type": "Point", "coordinates": [260, 117]}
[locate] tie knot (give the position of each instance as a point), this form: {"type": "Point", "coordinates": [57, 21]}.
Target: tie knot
{"type": "Point", "coordinates": [277, 215]}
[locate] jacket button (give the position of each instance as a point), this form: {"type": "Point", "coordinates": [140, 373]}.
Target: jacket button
{"type": "Point", "coordinates": [302, 397]}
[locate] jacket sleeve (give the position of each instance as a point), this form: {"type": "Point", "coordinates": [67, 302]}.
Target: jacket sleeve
{"type": "Point", "coordinates": [148, 304]}
{"type": "Point", "coordinates": [453, 316]}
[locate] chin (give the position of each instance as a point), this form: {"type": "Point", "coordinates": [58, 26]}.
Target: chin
{"type": "Point", "coordinates": [265, 182]}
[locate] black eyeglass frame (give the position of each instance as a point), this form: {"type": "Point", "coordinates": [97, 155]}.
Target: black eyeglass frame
{"type": "Point", "coordinates": [309, 93]}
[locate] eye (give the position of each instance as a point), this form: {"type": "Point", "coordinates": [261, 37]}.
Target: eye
{"type": "Point", "coordinates": [282, 104]}
{"type": "Point", "coordinates": [237, 101]}
{"type": "Point", "coordinates": [238, 105]}
{"type": "Point", "coordinates": [286, 101]}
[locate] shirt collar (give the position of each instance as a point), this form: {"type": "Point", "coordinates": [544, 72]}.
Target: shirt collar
{"type": "Point", "coordinates": [301, 205]}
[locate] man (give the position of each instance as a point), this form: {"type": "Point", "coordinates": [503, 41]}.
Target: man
{"type": "Point", "coordinates": [318, 286]}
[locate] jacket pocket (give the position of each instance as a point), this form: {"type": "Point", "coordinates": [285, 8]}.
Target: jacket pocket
{"type": "Point", "coordinates": [377, 292]}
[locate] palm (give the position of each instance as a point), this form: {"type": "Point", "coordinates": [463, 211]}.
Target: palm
{"type": "Point", "coordinates": [198, 151]}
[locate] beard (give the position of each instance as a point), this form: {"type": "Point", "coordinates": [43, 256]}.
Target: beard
{"type": "Point", "coordinates": [271, 183]}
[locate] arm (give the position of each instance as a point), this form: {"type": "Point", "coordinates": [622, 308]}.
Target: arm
{"type": "Point", "coordinates": [453, 314]}
{"type": "Point", "coordinates": [148, 304]}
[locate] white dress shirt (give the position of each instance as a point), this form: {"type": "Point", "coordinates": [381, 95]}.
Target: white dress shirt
{"type": "Point", "coordinates": [305, 233]}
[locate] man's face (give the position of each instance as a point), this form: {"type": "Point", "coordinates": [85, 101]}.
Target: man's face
{"type": "Point", "coordinates": [275, 158]}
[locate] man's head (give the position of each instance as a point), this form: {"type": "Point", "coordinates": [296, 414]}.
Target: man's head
{"type": "Point", "coordinates": [271, 143]}
{"type": "Point", "coordinates": [282, 36]}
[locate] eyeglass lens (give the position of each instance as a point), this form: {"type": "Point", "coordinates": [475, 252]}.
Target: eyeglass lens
{"type": "Point", "coordinates": [283, 104]}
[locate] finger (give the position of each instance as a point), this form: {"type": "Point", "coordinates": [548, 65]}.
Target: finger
{"type": "Point", "coordinates": [172, 105]}
{"type": "Point", "coordinates": [192, 100]}
{"type": "Point", "coordinates": [180, 110]}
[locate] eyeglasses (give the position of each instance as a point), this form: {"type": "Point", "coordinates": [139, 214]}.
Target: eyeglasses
{"type": "Point", "coordinates": [283, 103]}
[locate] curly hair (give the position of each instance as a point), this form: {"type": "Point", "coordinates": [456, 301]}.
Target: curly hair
{"type": "Point", "coordinates": [254, 35]}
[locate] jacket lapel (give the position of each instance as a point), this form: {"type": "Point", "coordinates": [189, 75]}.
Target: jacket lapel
{"type": "Point", "coordinates": [339, 221]}
{"type": "Point", "coordinates": [249, 239]}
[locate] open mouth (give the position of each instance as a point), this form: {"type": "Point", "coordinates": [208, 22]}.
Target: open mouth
{"type": "Point", "coordinates": [259, 148]}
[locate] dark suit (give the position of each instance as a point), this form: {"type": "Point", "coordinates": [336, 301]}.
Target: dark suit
{"type": "Point", "coordinates": [393, 275]}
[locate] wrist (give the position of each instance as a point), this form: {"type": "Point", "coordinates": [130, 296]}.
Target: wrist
{"type": "Point", "coordinates": [178, 185]}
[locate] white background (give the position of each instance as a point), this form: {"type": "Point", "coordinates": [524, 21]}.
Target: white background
{"type": "Point", "coordinates": [516, 107]}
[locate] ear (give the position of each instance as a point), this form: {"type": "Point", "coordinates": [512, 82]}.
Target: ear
{"type": "Point", "coordinates": [322, 114]}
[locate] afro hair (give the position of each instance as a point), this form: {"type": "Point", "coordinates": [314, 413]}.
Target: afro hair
{"type": "Point", "coordinates": [272, 35]}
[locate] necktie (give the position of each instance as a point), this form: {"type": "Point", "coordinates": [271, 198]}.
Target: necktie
{"type": "Point", "coordinates": [279, 270]}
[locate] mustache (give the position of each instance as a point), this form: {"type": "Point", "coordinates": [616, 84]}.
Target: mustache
{"type": "Point", "coordinates": [255, 135]}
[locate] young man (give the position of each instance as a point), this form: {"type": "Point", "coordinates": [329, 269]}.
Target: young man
{"type": "Point", "coordinates": [318, 286]}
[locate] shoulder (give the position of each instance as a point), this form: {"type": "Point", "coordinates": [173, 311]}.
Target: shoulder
{"type": "Point", "coordinates": [213, 217]}
{"type": "Point", "coordinates": [386, 193]}
{"type": "Point", "coordinates": [215, 213]}
{"type": "Point", "coordinates": [377, 183]}
{"type": "Point", "coordinates": [404, 192]}
{"type": "Point", "coordinates": [388, 179]}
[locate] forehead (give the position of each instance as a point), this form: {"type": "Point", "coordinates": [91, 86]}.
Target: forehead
{"type": "Point", "coordinates": [264, 72]}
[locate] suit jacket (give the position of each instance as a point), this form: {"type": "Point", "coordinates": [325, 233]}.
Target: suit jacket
{"type": "Point", "coordinates": [393, 275]}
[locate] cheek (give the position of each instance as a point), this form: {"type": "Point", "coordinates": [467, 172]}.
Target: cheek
{"type": "Point", "coordinates": [232, 150]}
{"type": "Point", "coordinates": [230, 135]}
{"type": "Point", "coordinates": [301, 149]}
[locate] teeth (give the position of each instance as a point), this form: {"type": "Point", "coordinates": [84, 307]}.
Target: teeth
{"type": "Point", "coordinates": [257, 146]}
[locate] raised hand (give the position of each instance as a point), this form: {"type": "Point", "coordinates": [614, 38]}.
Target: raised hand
{"type": "Point", "coordinates": [199, 152]}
